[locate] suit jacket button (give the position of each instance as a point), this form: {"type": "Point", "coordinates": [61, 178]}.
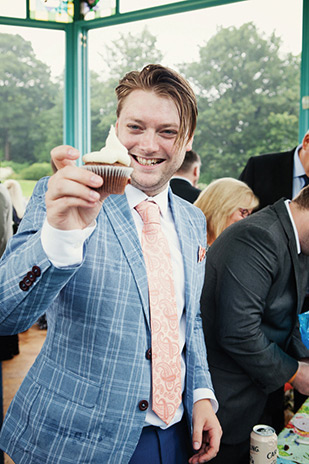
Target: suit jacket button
{"type": "Point", "coordinates": [143, 405]}
{"type": "Point", "coordinates": [36, 271]}
{"type": "Point", "coordinates": [31, 276]}
{"type": "Point", "coordinates": [148, 354]}
{"type": "Point", "coordinates": [23, 286]}
{"type": "Point", "coordinates": [27, 281]}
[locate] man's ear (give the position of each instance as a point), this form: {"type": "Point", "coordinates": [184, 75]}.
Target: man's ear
{"type": "Point", "coordinates": [196, 171]}
{"type": "Point", "coordinates": [189, 144]}
{"type": "Point", "coordinates": [306, 142]}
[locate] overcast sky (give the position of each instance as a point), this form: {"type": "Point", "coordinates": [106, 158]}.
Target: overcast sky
{"type": "Point", "coordinates": [179, 36]}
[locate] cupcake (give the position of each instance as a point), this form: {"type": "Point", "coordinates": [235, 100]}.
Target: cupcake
{"type": "Point", "coordinates": [112, 163]}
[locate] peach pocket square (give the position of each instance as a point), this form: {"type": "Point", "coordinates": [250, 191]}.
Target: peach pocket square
{"type": "Point", "coordinates": [201, 253]}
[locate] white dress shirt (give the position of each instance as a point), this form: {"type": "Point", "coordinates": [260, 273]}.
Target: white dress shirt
{"type": "Point", "coordinates": [65, 248]}
{"type": "Point", "coordinates": [287, 204]}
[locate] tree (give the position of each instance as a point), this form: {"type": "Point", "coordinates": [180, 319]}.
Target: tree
{"type": "Point", "coordinates": [248, 97]}
{"type": "Point", "coordinates": [130, 52]}
{"type": "Point", "coordinates": [26, 92]}
{"type": "Point", "coordinates": [51, 125]}
{"type": "Point", "coordinates": [124, 54]}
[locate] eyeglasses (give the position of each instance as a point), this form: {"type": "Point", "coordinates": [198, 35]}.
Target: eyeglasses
{"type": "Point", "coordinates": [244, 212]}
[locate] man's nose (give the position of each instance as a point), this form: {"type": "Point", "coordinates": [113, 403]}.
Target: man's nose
{"type": "Point", "coordinates": [149, 142]}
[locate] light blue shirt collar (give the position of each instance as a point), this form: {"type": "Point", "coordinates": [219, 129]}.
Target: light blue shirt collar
{"type": "Point", "coordinates": [135, 196]}
{"type": "Point", "coordinates": [298, 171]}
{"type": "Point", "coordinates": [298, 167]}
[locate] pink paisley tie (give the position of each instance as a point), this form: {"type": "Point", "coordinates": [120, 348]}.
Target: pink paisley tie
{"type": "Point", "coordinates": [165, 353]}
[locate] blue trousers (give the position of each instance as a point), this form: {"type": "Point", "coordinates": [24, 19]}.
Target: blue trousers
{"type": "Point", "coordinates": [157, 446]}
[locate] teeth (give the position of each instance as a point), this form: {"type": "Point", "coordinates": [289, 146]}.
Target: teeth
{"type": "Point", "coordinates": [146, 161]}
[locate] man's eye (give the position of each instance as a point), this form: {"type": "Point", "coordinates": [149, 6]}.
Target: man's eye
{"type": "Point", "coordinates": [134, 127]}
{"type": "Point", "coordinates": [170, 132]}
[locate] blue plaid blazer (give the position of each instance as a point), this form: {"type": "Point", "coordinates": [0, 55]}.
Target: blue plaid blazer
{"type": "Point", "coordinates": [79, 402]}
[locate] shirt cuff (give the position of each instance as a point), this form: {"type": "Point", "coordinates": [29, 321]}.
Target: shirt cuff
{"type": "Point", "coordinates": [64, 247]}
{"type": "Point", "coordinates": [206, 394]}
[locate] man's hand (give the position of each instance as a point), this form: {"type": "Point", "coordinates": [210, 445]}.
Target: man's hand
{"type": "Point", "coordinates": [64, 155]}
{"type": "Point", "coordinates": [301, 381]}
{"type": "Point", "coordinates": [71, 202]}
{"type": "Point", "coordinates": [207, 432]}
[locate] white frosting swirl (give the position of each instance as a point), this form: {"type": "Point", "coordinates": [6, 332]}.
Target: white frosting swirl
{"type": "Point", "coordinates": [113, 152]}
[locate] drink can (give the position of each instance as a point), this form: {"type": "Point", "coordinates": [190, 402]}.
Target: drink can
{"type": "Point", "coordinates": [263, 445]}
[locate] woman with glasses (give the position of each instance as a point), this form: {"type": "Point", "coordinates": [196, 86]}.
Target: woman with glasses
{"type": "Point", "coordinates": [225, 201]}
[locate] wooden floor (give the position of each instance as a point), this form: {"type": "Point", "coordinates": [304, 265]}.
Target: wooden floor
{"type": "Point", "coordinates": [14, 370]}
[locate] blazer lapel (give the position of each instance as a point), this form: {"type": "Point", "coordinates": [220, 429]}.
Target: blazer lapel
{"type": "Point", "coordinates": [189, 246]}
{"type": "Point", "coordinates": [119, 215]}
{"type": "Point", "coordinates": [288, 228]}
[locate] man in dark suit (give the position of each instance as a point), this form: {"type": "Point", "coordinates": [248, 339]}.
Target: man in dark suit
{"type": "Point", "coordinates": [276, 175]}
{"type": "Point", "coordinates": [256, 275]}
{"type": "Point", "coordinates": [271, 177]}
{"type": "Point", "coordinates": [185, 180]}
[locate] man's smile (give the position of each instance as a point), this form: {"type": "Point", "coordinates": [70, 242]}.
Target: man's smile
{"type": "Point", "coordinates": [146, 161]}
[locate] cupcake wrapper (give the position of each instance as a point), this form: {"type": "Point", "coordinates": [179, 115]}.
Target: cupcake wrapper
{"type": "Point", "coordinates": [115, 177]}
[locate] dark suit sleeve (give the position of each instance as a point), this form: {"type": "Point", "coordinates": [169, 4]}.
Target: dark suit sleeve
{"type": "Point", "coordinates": [242, 292]}
{"type": "Point", "coordinates": [297, 349]}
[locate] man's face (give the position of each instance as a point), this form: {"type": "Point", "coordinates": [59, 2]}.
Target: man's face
{"type": "Point", "coordinates": [148, 126]}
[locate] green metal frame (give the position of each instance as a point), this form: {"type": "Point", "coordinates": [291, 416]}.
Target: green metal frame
{"type": "Point", "coordinates": [304, 79]}
{"type": "Point", "coordinates": [77, 101]}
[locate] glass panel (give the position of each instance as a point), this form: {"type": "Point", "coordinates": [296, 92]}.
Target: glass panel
{"type": "Point", "coordinates": [13, 9]}
{"type": "Point", "coordinates": [31, 96]}
{"type": "Point", "coordinates": [92, 9]}
{"type": "Point", "coordinates": [133, 5]}
{"type": "Point", "coordinates": [242, 60]}
{"type": "Point", "coordinates": [61, 11]}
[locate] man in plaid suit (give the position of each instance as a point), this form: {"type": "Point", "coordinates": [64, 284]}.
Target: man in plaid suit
{"type": "Point", "coordinates": [77, 256]}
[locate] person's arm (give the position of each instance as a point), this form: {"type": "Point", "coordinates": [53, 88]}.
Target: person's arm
{"type": "Point", "coordinates": [21, 304]}
{"type": "Point", "coordinates": [296, 348]}
{"type": "Point", "coordinates": [69, 203]}
{"type": "Point", "coordinates": [245, 278]}
{"type": "Point", "coordinates": [202, 377]}
{"type": "Point", "coordinates": [207, 432]}
{"type": "Point", "coordinates": [6, 228]}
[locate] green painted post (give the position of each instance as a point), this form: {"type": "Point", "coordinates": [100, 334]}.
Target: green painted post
{"type": "Point", "coordinates": [304, 80]}
{"type": "Point", "coordinates": [76, 100]}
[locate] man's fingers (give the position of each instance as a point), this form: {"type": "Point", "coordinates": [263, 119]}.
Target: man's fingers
{"type": "Point", "coordinates": [207, 452]}
{"type": "Point", "coordinates": [75, 182]}
{"type": "Point", "coordinates": [64, 155]}
{"type": "Point", "coordinates": [210, 450]}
